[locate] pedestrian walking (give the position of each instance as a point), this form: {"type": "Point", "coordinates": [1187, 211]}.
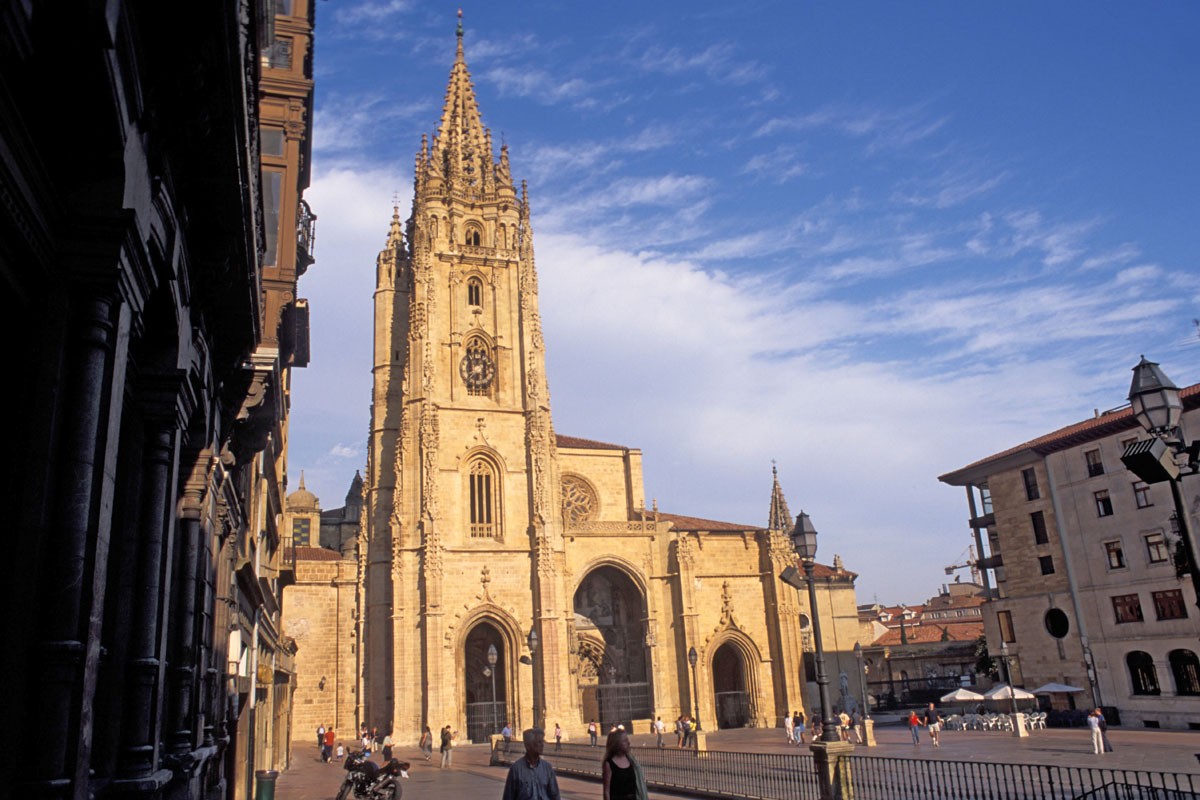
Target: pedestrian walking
{"type": "Point", "coordinates": [592, 730]}
{"type": "Point", "coordinates": [659, 730]}
{"type": "Point", "coordinates": [327, 750]}
{"type": "Point", "coordinates": [506, 732]}
{"type": "Point", "coordinates": [387, 748]}
{"type": "Point", "coordinates": [798, 722]}
{"type": "Point", "coordinates": [557, 737]}
{"type": "Point", "coordinates": [679, 731]}
{"type": "Point", "coordinates": [622, 775]}
{"type": "Point", "coordinates": [789, 727]}
{"type": "Point", "coordinates": [321, 737]}
{"type": "Point", "coordinates": [933, 723]}
{"type": "Point", "coordinates": [844, 726]}
{"type": "Point", "coordinates": [426, 743]}
{"type": "Point", "coordinates": [446, 746]}
{"type": "Point", "coordinates": [531, 777]}
{"type": "Point", "coordinates": [914, 726]}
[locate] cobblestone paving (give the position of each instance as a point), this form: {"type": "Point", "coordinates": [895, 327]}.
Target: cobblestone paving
{"type": "Point", "coordinates": [471, 777]}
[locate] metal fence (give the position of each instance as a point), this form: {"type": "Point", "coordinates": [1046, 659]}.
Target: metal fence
{"type": "Point", "coordinates": [779, 776]}
{"type": "Point", "coordinates": [876, 778]}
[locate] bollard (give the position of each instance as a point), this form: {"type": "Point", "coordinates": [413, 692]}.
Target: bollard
{"type": "Point", "coordinates": [264, 784]}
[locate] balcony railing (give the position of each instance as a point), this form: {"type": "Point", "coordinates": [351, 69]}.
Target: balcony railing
{"type": "Point", "coordinates": [306, 237]}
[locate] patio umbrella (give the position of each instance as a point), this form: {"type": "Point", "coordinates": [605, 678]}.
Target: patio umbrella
{"type": "Point", "coordinates": [1057, 688]}
{"type": "Point", "coordinates": [1004, 692]}
{"type": "Point", "coordinates": [961, 696]}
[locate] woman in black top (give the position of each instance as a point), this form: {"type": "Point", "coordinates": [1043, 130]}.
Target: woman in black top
{"type": "Point", "coordinates": [622, 776]}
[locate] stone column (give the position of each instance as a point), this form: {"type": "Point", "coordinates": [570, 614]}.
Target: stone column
{"type": "Point", "coordinates": [142, 727]}
{"type": "Point", "coordinates": [185, 639]}
{"type": "Point", "coordinates": [59, 722]}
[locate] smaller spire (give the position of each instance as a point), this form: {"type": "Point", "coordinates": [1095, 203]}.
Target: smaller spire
{"type": "Point", "coordinates": [396, 231]}
{"type": "Point", "coordinates": [459, 33]}
{"type": "Point", "coordinates": [301, 479]}
{"type": "Point", "coordinates": [779, 518]}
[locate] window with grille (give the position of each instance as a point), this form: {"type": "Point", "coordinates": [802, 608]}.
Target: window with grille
{"type": "Point", "coordinates": [1104, 506]}
{"type": "Point", "coordinates": [1142, 673]}
{"type": "Point", "coordinates": [1116, 555]}
{"type": "Point", "coordinates": [301, 530]}
{"type": "Point", "coordinates": [1029, 476]}
{"type": "Point", "coordinates": [483, 489]}
{"type": "Point", "coordinates": [1127, 608]}
{"type": "Point", "coordinates": [1095, 465]}
{"type": "Point", "coordinates": [1141, 494]}
{"type": "Point", "coordinates": [1169, 604]}
{"type": "Point", "coordinates": [1040, 536]}
{"type": "Point", "coordinates": [1185, 668]}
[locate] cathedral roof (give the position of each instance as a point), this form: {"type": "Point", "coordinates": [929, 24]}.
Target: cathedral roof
{"type": "Point", "coordinates": [683, 523]}
{"type": "Point", "coordinates": [302, 499]}
{"type": "Point", "coordinates": [585, 444]}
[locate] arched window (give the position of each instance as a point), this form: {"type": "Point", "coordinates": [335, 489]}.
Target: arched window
{"type": "Point", "coordinates": [1141, 673]}
{"type": "Point", "coordinates": [483, 486]}
{"type": "Point", "coordinates": [474, 235]}
{"type": "Point", "coordinates": [474, 292]}
{"type": "Point", "coordinates": [1185, 667]}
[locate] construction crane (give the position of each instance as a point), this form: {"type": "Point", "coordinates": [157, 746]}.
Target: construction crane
{"type": "Point", "coordinates": [972, 563]}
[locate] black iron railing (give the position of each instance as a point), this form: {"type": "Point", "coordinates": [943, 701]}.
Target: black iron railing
{"type": "Point", "coordinates": [779, 776]}
{"type": "Point", "coordinates": [875, 778]}
{"type": "Point", "coordinates": [763, 776]}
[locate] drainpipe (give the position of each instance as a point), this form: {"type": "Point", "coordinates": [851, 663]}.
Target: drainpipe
{"type": "Point", "coordinates": [1089, 664]}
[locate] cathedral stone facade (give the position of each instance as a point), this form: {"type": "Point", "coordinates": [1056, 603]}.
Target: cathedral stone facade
{"type": "Point", "coordinates": [509, 573]}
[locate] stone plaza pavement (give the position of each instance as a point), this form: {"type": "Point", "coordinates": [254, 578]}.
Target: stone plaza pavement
{"type": "Point", "coordinates": [471, 777]}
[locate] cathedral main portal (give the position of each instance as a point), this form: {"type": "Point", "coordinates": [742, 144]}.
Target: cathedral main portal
{"type": "Point", "coordinates": [486, 682]}
{"type": "Point", "coordinates": [610, 628]}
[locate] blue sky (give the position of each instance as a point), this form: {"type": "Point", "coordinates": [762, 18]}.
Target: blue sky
{"type": "Point", "coordinates": [871, 241]}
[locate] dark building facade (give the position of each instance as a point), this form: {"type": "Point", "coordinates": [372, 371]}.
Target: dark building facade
{"type": "Point", "coordinates": [152, 158]}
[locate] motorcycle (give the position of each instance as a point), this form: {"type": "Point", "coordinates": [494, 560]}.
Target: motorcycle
{"type": "Point", "coordinates": [366, 780]}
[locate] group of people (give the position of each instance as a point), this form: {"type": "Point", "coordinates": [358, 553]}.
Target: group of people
{"type": "Point", "coordinates": [794, 727]}
{"type": "Point", "coordinates": [1099, 728]}
{"type": "Point", "coordinates": [368, 739]}
{"type": "Point", "coordinates": [932, 722]}
{"type": "Point", "coordinates": [533, 777]}
{"type": "Point", "coordinates": [685, 731]}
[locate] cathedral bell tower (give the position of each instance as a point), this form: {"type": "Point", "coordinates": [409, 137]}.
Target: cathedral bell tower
{"type": "Point", "coordinates": [464, 544]}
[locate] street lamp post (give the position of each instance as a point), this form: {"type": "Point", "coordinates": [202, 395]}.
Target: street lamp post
{"type": "Point", "coordinates": [532, 641]}
{"type": "Point", "coordinates": [490, 671]}
{"type": "Point", "coordinates": [868, 737]}
{"type": "Point", "coordinates": [830, 748]}
{"type": "Point", "coordinates": [1018, 719]}
{"type": "Point", "coordinates": [693, 657]}
{"type": "Point", "coordinates": [1159, 409]}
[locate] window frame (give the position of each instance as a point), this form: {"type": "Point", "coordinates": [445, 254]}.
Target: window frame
{"type": "Point", "coordinates": [1095, 462]}
{"type": "Point", "coordinates": [1103, 501]}
{"type": "Point", "coordinates": [1170, 601]}
{"type": "Point", "coordinates": [1004, 620]}
{"type": "Point", "coordinates": [1119, 550]}
{"type": "Point", "coordinates": [1029, 478]}
{"type": "Point", "coordinates": [1127, 605]}
{"type": "Point", "coordinates": [1041, 535]}
{"type": "Point", "coordinates": [1160, 546]}
{"type": "Point", "coordinates": [1143, 677]}
{"type": "Point", "coordinates": [1188, 668]}
{"type": "Point", "coordinates": [1046, 564]}
{"type": "Point", "coordinates": [484, 509]}
{"type": "Point", "coordinates": [1141, 494]}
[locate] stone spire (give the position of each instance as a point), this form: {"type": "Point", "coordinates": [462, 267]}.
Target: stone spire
{"type": "Point", "coordinates": [779, 518]}
{"type": "Point", "coordinates": [395, 240]}
{"type": "Point", "coordinates": [461, 154]}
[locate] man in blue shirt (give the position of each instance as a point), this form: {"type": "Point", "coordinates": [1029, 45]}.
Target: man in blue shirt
{"type": "Point", "coordinates": [506, 732]}
{"type": "Point", "coordinates": [531, 778]}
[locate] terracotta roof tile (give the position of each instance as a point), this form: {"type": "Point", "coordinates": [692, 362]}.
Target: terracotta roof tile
{"type": "Point", "coordinates": [932, 634]}
{"type": "Point", "coordinates": [1088, 430]}
{"type": "Point", "coordinates": [585, 444]}
{"type": "Point", "coordinates": [683, 523]}
{"type": "Point", "coordinates": [311, 554]}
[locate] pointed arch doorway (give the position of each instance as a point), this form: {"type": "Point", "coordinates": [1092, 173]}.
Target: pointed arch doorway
{"type": "Point", "coordinates": [730, 694]}
{"type": "Point", "coordinates": [614, 662]}
{"type": "Point", "coordinates": [486, 685]}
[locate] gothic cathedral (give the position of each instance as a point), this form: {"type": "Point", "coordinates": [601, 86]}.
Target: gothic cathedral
{"type": "Point", "coordinates": [508, 573]}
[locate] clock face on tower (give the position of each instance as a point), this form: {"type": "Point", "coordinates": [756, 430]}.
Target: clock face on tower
{"type": "Point", "coordinates": [477, 369]}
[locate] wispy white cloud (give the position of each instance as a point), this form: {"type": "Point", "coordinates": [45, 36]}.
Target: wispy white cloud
{"type": "Point", "coordinates": [537, 84]}
{"type": "Point", "coordinates": [883, 129]}
{"type": "Point", "coordinates": [718, 62]}
{"type": "Point", "coordinates": [373, 12]}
